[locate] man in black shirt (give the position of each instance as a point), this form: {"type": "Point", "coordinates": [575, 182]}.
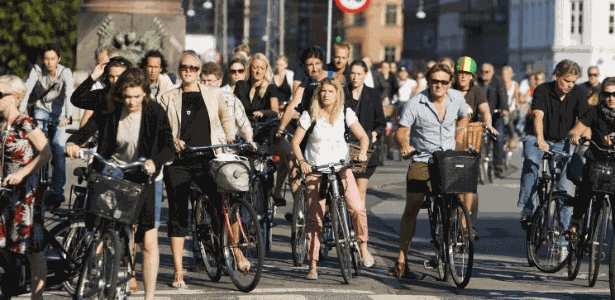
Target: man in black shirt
{"type": "Point", "coordinates": [196, 114]}
{"type": "Point", "coordinates": [339, 65]}
{"type": "Point", "coordinates": [592, 86]}
{"type": "Point", "coordinates": [556, 106]}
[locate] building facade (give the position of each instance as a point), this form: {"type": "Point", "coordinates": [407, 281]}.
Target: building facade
{"type": "Point", "coordinates": [544, 32]}
{"type": "Point", "coordinates": [376, 32]}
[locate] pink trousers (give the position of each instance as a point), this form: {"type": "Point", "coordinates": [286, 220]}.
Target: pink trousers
{"type": "Point", "coordinates": [316, 211]}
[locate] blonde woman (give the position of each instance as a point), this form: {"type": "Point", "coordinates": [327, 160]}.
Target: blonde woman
{"type": "Point", "coordinates": [25, 150]}
{"type": "Point", "coordinates": [326, 144]}
{"type": "Point", "coordinates": [258, 93]}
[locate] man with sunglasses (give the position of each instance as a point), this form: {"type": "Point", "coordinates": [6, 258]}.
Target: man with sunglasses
{"type": "Point", "coordinates": [431, 121]}
{"type": "Point", "coordinates": [495, 91]}
{"type": "Point", "coordinates": [196, 113]}
{"type": "Point", "coordinates": [592, 86]}
{"type": "Point", "coordinates": [556, 107]}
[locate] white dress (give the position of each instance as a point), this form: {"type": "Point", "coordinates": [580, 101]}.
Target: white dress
{"type": "Point", "coordinates": [326, 143]}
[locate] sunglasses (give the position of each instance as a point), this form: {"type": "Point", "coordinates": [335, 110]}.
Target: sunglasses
{"type": "Point", "coordinates": [593, 75]}
{"type": "Point", "coordinates": [237, 71]}
{"type": "Point", "coordinates": [485, 71]}
{"type": "Point", "coordinates": [2, 94]}
{"type": "Point", "coordinates": [608, 94]}
{"type": "Point", "coordinates": [442, 82]}
{"type": "Point", "coordinates": [192, 69]}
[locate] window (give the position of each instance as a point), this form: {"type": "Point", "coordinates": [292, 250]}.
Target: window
{"type": "Point", "coordinates": [612, 18]}
{"type": "Point", "coordinates": [358, 19]}
{"type": "Point", "coordinates": [390, 15]}
{"type": "Point", "coordinates": [356, 51]}
{"type": "Point", "coordinates": [611, 27]}
{"type": "Point", "coordinates": [612, 7]}
{"type": "Point", "coordinates": [389, 53]}
{"type": "Point", "coordinates": [572, 24]}
{"type": "Point", "coordinates": [580, 24]}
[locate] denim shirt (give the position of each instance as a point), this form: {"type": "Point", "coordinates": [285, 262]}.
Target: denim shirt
{"type": "Point", "coordinates": [427, 133]}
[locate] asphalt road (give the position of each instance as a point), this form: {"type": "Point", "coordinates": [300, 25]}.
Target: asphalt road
{"type": "Point", "coordinates": [500, 267]}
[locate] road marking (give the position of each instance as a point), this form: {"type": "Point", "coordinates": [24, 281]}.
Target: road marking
{"type": "Point", "coordinates": [309, 290]}
{"type": "Point", "coordinates": [272, 297]}
{"type": "Point", "coordinates": [508, 185]}
{"type": "Point", "coordinates": [403, 297]}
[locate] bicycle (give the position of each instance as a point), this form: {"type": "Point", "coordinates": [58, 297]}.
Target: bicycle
{"type": "Point", "coordinates": [241, 235]}
{"type": "Point", "coordinates": [63, 254]}
{"type": "Point", "coordinates": [486, 169]}
{"type": "Point", "coordinates": [44, 177]}
{"type": "Point", "coordinates": [337, 229]}
{"type": "Point", "coordinates": [451, 232]}
{"type": "Point", "coordinates": [543, 243]}
{"type": "Point", "coordinates": [591, 232]}
{"type": "Point", "coordinates": [109, 264]}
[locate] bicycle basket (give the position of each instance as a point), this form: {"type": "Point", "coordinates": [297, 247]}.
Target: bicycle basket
{"type": "Point", "coordinates": [354, 150]}
{"type": "Point", "coordinates": [601, 176]}
{"type": "Point", "coordinates": [231, 173]}
{"type": "Point", "coordinates": [118, 200]}
{"type": "Point", "coordinates": [473, 136]}
{"type": "Point", "coordinates": [454, 172]}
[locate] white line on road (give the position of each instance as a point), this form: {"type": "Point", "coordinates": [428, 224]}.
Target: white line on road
{"type": "Point", "coordinates": [402, 297]}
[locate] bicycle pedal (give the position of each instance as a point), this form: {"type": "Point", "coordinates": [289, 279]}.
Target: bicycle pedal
{"type": "Point", "coordinates": [430, 264]}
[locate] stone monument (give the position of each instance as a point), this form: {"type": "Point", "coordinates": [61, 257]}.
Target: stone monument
{"type": "Point", "coordinates": [131, 26]}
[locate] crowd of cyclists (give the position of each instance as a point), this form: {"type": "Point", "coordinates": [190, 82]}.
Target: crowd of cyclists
{"type": "Point", "coordinates": [135, 110]}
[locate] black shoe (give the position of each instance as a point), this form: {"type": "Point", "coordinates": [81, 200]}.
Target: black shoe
{"type": "Point", "coordinates": [526, 223]}
{"type": "Point", "coordinates": [279, 201]}
{"type": "Point", "coordinates": [289, 216]}
{"type": "Point", "coordinates": [54, 200]}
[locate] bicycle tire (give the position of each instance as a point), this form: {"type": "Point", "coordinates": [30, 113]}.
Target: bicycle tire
{"type": "Point", "coordinates": [612, 271]}
{"type": "Point", "coordinates": [341, 239]}
{"type": "Point", "coordinates": [249, 242]}
{"type": "Point", "coordinates": [597, 244]}
{"type": "Point", "coordinates": [208, 241]}
{"type": "Point", "coordinates": [104, 262]}
{"type": "Point", "coordinates": [271, 211]}
{"type": "Point", "coordinates": [460, 244]}
{"type": "Point", "coordinates": [441, 263]}
{"type": "Point", "coordinates": [575, 258]}
{"type": "Point", "coordinates": [74, 238]}
{"type": "Point", "coordinates": [257, 197]}
{"type": "Point", "coordinates": [298, 237]}
{"type": "Point", "coordinates": [355, 251]}
{"type": "Point", "coordinates": [545, 232]}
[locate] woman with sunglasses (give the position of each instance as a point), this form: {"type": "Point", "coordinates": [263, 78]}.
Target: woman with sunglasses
{"type": "Point", "coordinates": [237, 69]}
{"type": "Point", "coordinates": [195, 115]}
{"type": "Point", "coordinates": [130, 125]}
{"type": "Point", "coordinates": [599, 121]}
{"type": "Point", "coordinates": [24, 150]}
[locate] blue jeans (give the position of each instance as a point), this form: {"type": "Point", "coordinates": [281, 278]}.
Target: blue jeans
{"type": "Point", "coordinates": [498, 147]}
{"type": "Point", "coordinates": [532, 157]}
{"type": "Point", "coordinates": [157, 201]}
{"type": "Point", "coordinates": [57, 141]}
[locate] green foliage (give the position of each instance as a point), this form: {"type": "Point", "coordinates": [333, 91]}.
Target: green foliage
{"type": "Point", "coordinates": [27, 25]}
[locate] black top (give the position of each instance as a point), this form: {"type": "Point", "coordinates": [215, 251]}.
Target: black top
{"type": "Point", "coordinates": [387, 87]}
{"type": "Point", "coordinates": [474, 98]}
{"type": "Point", "coordinates": [310, 86]}
{"type": "Point", "coordinates": [242, 91]}
{"type": "Point", "coordinates": [346, 73]}
{"type": "Point", "coordinates": [589, 89]}
{"type": "Point", "coordinates": [195, 127]}
{"type": "Point", "coordinates": [284, 91]}
{"type": "Point", "coordinates": [83, 96]}
{"type": "Point", "coordinates": [370, 114]}
{"type": "Point", "coordinates": [559, 116]}
{"type": "Point", "coordinates": [300, 74]}
{"type": "Point", "coordinates": [595, 119]}
{"type": "Point", "coordinates": [495, 92]}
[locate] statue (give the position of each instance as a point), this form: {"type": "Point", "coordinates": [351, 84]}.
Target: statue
{"type": "Point", "coordinates": [127, 44]}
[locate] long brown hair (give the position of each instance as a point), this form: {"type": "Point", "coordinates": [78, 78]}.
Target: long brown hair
{"type": "Point", "coordinates": [133, 77]}
{"type": "Point", "coordinates": [317, 110]}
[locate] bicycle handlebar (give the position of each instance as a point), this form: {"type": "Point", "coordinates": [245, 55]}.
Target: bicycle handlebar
{"type": "Point", "coordinates": [55, 122]}
{"type": "Point", "coordinates": [490, 134]}
{"type": "Point", "coordinates": [85, 155]}
{"type": "Point", "coordinates": [583, 140]}
{"type": "Point", "coordinates": [212, 147]}
{"type": "Point", "coordinates": [555, 152]}
{"type": "Point", "coordinates": [411, 154]}
{"type": "Point", "coordinates": [330, 167]}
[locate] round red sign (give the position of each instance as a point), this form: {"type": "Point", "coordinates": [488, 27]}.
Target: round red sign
{"type": "Point", "coordinates": [352, 6]}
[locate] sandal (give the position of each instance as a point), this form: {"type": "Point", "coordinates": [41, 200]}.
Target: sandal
{"type": "Point", "coordinates": [571, 234]}
{"type": "Point", "coordinates": [134, 287]}
{"type": "Point", "coordinates": [399, 270]}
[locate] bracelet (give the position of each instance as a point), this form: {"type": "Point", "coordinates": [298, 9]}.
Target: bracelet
{"type": "Point", "coordinates": [461, 128]}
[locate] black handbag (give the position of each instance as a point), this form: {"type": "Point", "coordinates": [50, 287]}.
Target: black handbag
{"type": "Point", "coordinates": [454, 172]}
{"type": "Point", "coordinates": [601, 176]}
{"type": "Point", "coordinates": [115, 199]}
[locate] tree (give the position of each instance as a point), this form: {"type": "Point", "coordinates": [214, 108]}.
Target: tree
{"type": "Point", "coordinates": [30, 24]}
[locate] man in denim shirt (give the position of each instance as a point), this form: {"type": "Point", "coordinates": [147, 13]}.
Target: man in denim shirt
{"type": "Point", "coordinates": [430, 122]}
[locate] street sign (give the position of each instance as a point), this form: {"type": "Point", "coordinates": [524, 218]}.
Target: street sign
{"type": "Point", "coordinates": [352, 6]}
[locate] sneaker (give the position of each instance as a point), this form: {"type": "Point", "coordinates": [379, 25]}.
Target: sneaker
{"type": "Point", "coordinates": [563, 253]}
{"type": "Point", "coordinates": [430, 264]}
{"type": "Point", "coordinates": [54, 200]}
{"type": "Point", "coordinates": [289, 216]}
{"type": "Point", "coordinates": [526, 223]}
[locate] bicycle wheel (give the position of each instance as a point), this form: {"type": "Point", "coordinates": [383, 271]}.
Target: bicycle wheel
{"type": "Point", "coordinates": [612, 271]}
{"type": "Point", "coordinates": [436, 216]}
{"type": "Point", "coordinates": [544, 245]}
{"type": "Point", "coordinates": [208, 240]}
{"type": "Point", "coordinates": [298, 239]}
{"type": "Point", "coordinates": [355, 251]}
{"type": "Point", "coordinates": [597, 243]}
{"type": "Point", "coordinates": [243, 246]}
{"type": "Point", "coordinates": [257, 197]}
{"type": "Point", "coordinates": [75, 239]}
{"type": "Point", "coordinates": [460, 244]}
{"type": "Point", "coordinates": [575, 258]}
{"type": "Point", "coordinates": [341, 236]}
{"type": "Point", "coordinates": [99, 272]}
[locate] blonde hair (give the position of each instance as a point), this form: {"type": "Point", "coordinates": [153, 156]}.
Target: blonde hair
{"type": "Point", "coordinates": [317, 110]}
{"type": "Point", "coordinates": [15, 86]}
{"type": "Point", "coordinates": [268, 73]}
